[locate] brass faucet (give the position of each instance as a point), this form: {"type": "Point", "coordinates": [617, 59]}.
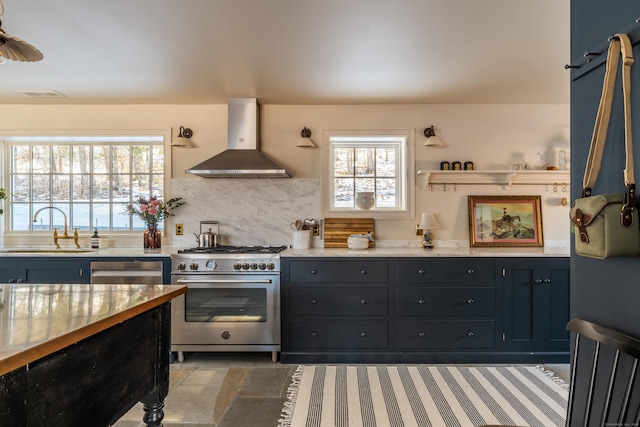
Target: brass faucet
{"type": "Point", "coordinates": [55, 230]}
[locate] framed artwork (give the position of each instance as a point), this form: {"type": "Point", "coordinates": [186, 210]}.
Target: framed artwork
{"type": "Point", "coordinates": [505, 221]}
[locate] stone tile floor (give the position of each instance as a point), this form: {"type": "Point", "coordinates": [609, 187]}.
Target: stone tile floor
{"type": "Point", "coordinates": [232, 390]}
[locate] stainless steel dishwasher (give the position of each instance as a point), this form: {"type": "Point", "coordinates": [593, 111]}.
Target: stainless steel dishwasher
{"type": "Point", "coordinates": [126, 272]}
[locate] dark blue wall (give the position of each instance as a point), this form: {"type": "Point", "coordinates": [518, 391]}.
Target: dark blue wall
{"type": "Point", "coordinates": [603, 291]}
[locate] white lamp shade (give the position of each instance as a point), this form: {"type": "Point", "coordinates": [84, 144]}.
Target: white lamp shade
{"type": "Point", "coordinates": [181, 141]}
{"type": "Point", "coordinates": [428, 222]}
{"type": "Point", "coordinates": [433, 141]}
{"type": "Point", "coordinates": [306, 143]}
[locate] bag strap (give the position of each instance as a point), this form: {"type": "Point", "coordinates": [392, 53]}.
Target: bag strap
{"type": "Point", "coordinates": [619, 42]}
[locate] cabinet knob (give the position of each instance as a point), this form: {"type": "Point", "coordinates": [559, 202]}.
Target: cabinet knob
{"type": "Point", "coordinates": [314, 301]}
{"type": "Point", "coordinates": [471, 271]}
{"type": "Point", "coordinates": [546, 281]}
{"type": "Point", "coordinates": [421, 271]}
{"type": "Point", "coordinates": [363, 271]}
{"type": "Point", "coordinates": [421, 301]}
{"type": "Point", "coordinates": [421, 334]}
{"type": "Point", "coordinates": [363, 301]}
{"type": "Point", "coordinates": [470, 333]}
{"type": "Point", "coordinates": [470, 301]}
{"type": "Point", "coordinates": [363, 334]}
{"type": "Point", "coordinates": [314, 334]}
{"type": "Point", "coordinates": [314, 272]}
{"type": "Point", "coordinates": [537, 281]}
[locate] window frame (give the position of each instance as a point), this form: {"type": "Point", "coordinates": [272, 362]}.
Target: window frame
{"type": "Point", "coordinates": [33, 237]}
{"type": "Point", "coordinates": [407, 174]}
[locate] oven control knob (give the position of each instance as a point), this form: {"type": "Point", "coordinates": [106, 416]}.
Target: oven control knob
{"type": "Point", "coordinates": [271, 266]}
{"type": "Point", "coordinates": [262, 266]}
{"type": "Point", "coordinates": [211, 265]}
{"type": "Point", "coordinates": [181, 266]}
{"type": "Point", "coordinates": [193, 266]}
{"type": "Point", "coordinates": [245, 266]}
{"type": "Point", "coordinates": [254, 266]}
{"type": "Point", "coordinates": [225, 335]}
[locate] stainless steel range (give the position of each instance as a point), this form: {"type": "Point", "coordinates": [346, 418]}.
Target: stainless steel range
{"type": "Point", "coordinates": [232, 301]}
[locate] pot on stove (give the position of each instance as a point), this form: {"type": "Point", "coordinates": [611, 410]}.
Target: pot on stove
{"type": "Point", "coordinates": [208, 239]}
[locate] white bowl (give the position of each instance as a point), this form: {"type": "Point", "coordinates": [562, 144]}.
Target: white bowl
{"type": "Point", "coordinates": [364, 244]}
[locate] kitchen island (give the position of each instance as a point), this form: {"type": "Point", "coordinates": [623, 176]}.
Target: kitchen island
{"type": "Point", "coordinates": [83, 355]}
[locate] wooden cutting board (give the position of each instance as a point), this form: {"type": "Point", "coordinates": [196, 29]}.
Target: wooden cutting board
{"type": "Point", "coordinates": [338, 230]}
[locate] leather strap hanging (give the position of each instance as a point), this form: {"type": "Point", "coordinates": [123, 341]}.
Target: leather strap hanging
{"type": "Point", "coordinates": [619, 43]}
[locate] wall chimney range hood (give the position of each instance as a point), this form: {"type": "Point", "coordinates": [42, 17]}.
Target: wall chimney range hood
{"type": "Point", "coordinates": [242, 158]}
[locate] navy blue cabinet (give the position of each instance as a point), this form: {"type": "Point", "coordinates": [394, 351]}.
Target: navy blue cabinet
{"type": "Point", "coordinates": [537, 307]}
{"type": "Point", "coordinates": [54, 270]}
{"type": "Point", "coordinates": [425, 310]}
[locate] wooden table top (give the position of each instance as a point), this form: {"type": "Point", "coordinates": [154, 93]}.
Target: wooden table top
{"type": "Point", "coordinates": [39, 319]}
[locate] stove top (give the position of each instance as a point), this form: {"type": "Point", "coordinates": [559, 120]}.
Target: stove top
{"type": "Point", "coordinates": [234, 250]}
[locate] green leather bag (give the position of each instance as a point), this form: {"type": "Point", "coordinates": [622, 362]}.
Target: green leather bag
{"type": "Point", "coordinates": [600, 230]}
{"type": "Point", "coordinates": [607, 225]}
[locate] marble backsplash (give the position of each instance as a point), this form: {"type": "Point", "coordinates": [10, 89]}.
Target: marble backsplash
{"type": "Point", "coordinates": [250, 211]}
{"type": "Point", "coordinates": [260, 211]}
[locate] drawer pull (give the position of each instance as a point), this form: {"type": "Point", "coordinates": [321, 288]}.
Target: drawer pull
{"type": "Point", "coordinates": [546, 281]}
{"type": "Point", "coordinates": [314, 301]}
{"type": "Point", "coordinates": [471, 334]}
{"type": "Point", "coordinates": [470, 301]}
{"type": "Point", "coordinates": [363, 271]}
{"type": "Point", "coordinates": [421, 301]}
{"type": "Point", "coordinates": [363, 301]}
{"type": "Point", "coordinates": [421, 271]}
{"type": "Point", "coordinates": [471, 271]}
{"type": "Point", "coordinates": [314, 334]}
{"type": "Point", "coordinates": [537, 281]}
{"type": "Point", "coordinates": [363, 334]}
{"type": "Point", "coordinates": [314, 272]}
{"type": "Point", "coordinates": [421, 334]}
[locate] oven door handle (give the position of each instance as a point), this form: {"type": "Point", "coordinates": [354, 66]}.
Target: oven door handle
{"type": "Point", "coordinates": [224, 281]}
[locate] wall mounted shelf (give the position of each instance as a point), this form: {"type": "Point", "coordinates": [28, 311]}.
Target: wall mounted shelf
{"type": "Point", "coordinates": [505, 178]}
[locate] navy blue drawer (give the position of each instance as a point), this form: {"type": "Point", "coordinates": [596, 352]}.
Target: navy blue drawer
{"type": "Point", "coordinates": [338, 335]}
{"type": "Point", "coordinates": [360, 271]}
{"type": "Point", "coordinates": [338, 301]}
{"type": "Point", "coordinates": [432, 301]}
{"type": "Point", "coordinates": [451, 334]}
{"type": "Point", "coordinates": [438, 270]}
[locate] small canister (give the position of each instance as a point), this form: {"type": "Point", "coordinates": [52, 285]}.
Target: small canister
{"type": "Point", "coordinates": [456, 166]}
{"type": "Point", "coordinates": [468, 166]}
{"type": "Point", "coordinates": [444, 166]}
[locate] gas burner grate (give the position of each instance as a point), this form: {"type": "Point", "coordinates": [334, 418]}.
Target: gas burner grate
{"type": "Point", "coordinates": [234, 250]}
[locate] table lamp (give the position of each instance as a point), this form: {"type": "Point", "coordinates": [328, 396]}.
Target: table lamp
{"type": "Point", "coordinates": [428, 222]}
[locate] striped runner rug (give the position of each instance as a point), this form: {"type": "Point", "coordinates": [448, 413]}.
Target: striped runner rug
{"type": "Point", "coordinates": [424, 396]}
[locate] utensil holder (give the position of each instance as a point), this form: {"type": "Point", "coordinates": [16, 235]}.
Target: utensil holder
{"type": "Point", "coordinates": [301, 239]}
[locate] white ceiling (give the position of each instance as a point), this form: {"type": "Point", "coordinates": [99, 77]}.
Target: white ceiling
{"type": "Point", "coordinates": [290, 51]}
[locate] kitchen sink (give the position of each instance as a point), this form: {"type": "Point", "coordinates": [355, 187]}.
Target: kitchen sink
{"type": "Point", "coordinates": [43, 251]}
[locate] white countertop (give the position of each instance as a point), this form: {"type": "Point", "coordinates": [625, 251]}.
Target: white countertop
{"type": "Point", "coordinates": [435, 252]}
{"type": "Point", "coordinates": [297, 253]}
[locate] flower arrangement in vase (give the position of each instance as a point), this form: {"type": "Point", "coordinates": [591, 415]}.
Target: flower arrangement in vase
{"type": "Point", "coordinates": [152, 211]}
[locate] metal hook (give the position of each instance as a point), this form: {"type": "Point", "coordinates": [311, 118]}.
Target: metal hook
{"type": "Point", "coordinates": [564, 188]}
{"type": "Point", "coordinates": [587, 54]}
{"type": "Point", "coordinates": [555, 188]}
{"type": "Point", "coordinates": [567, 66]}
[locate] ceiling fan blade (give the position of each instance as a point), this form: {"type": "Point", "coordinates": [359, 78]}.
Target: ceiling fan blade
{"type": "Point", "coordinates": [11, 47]}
